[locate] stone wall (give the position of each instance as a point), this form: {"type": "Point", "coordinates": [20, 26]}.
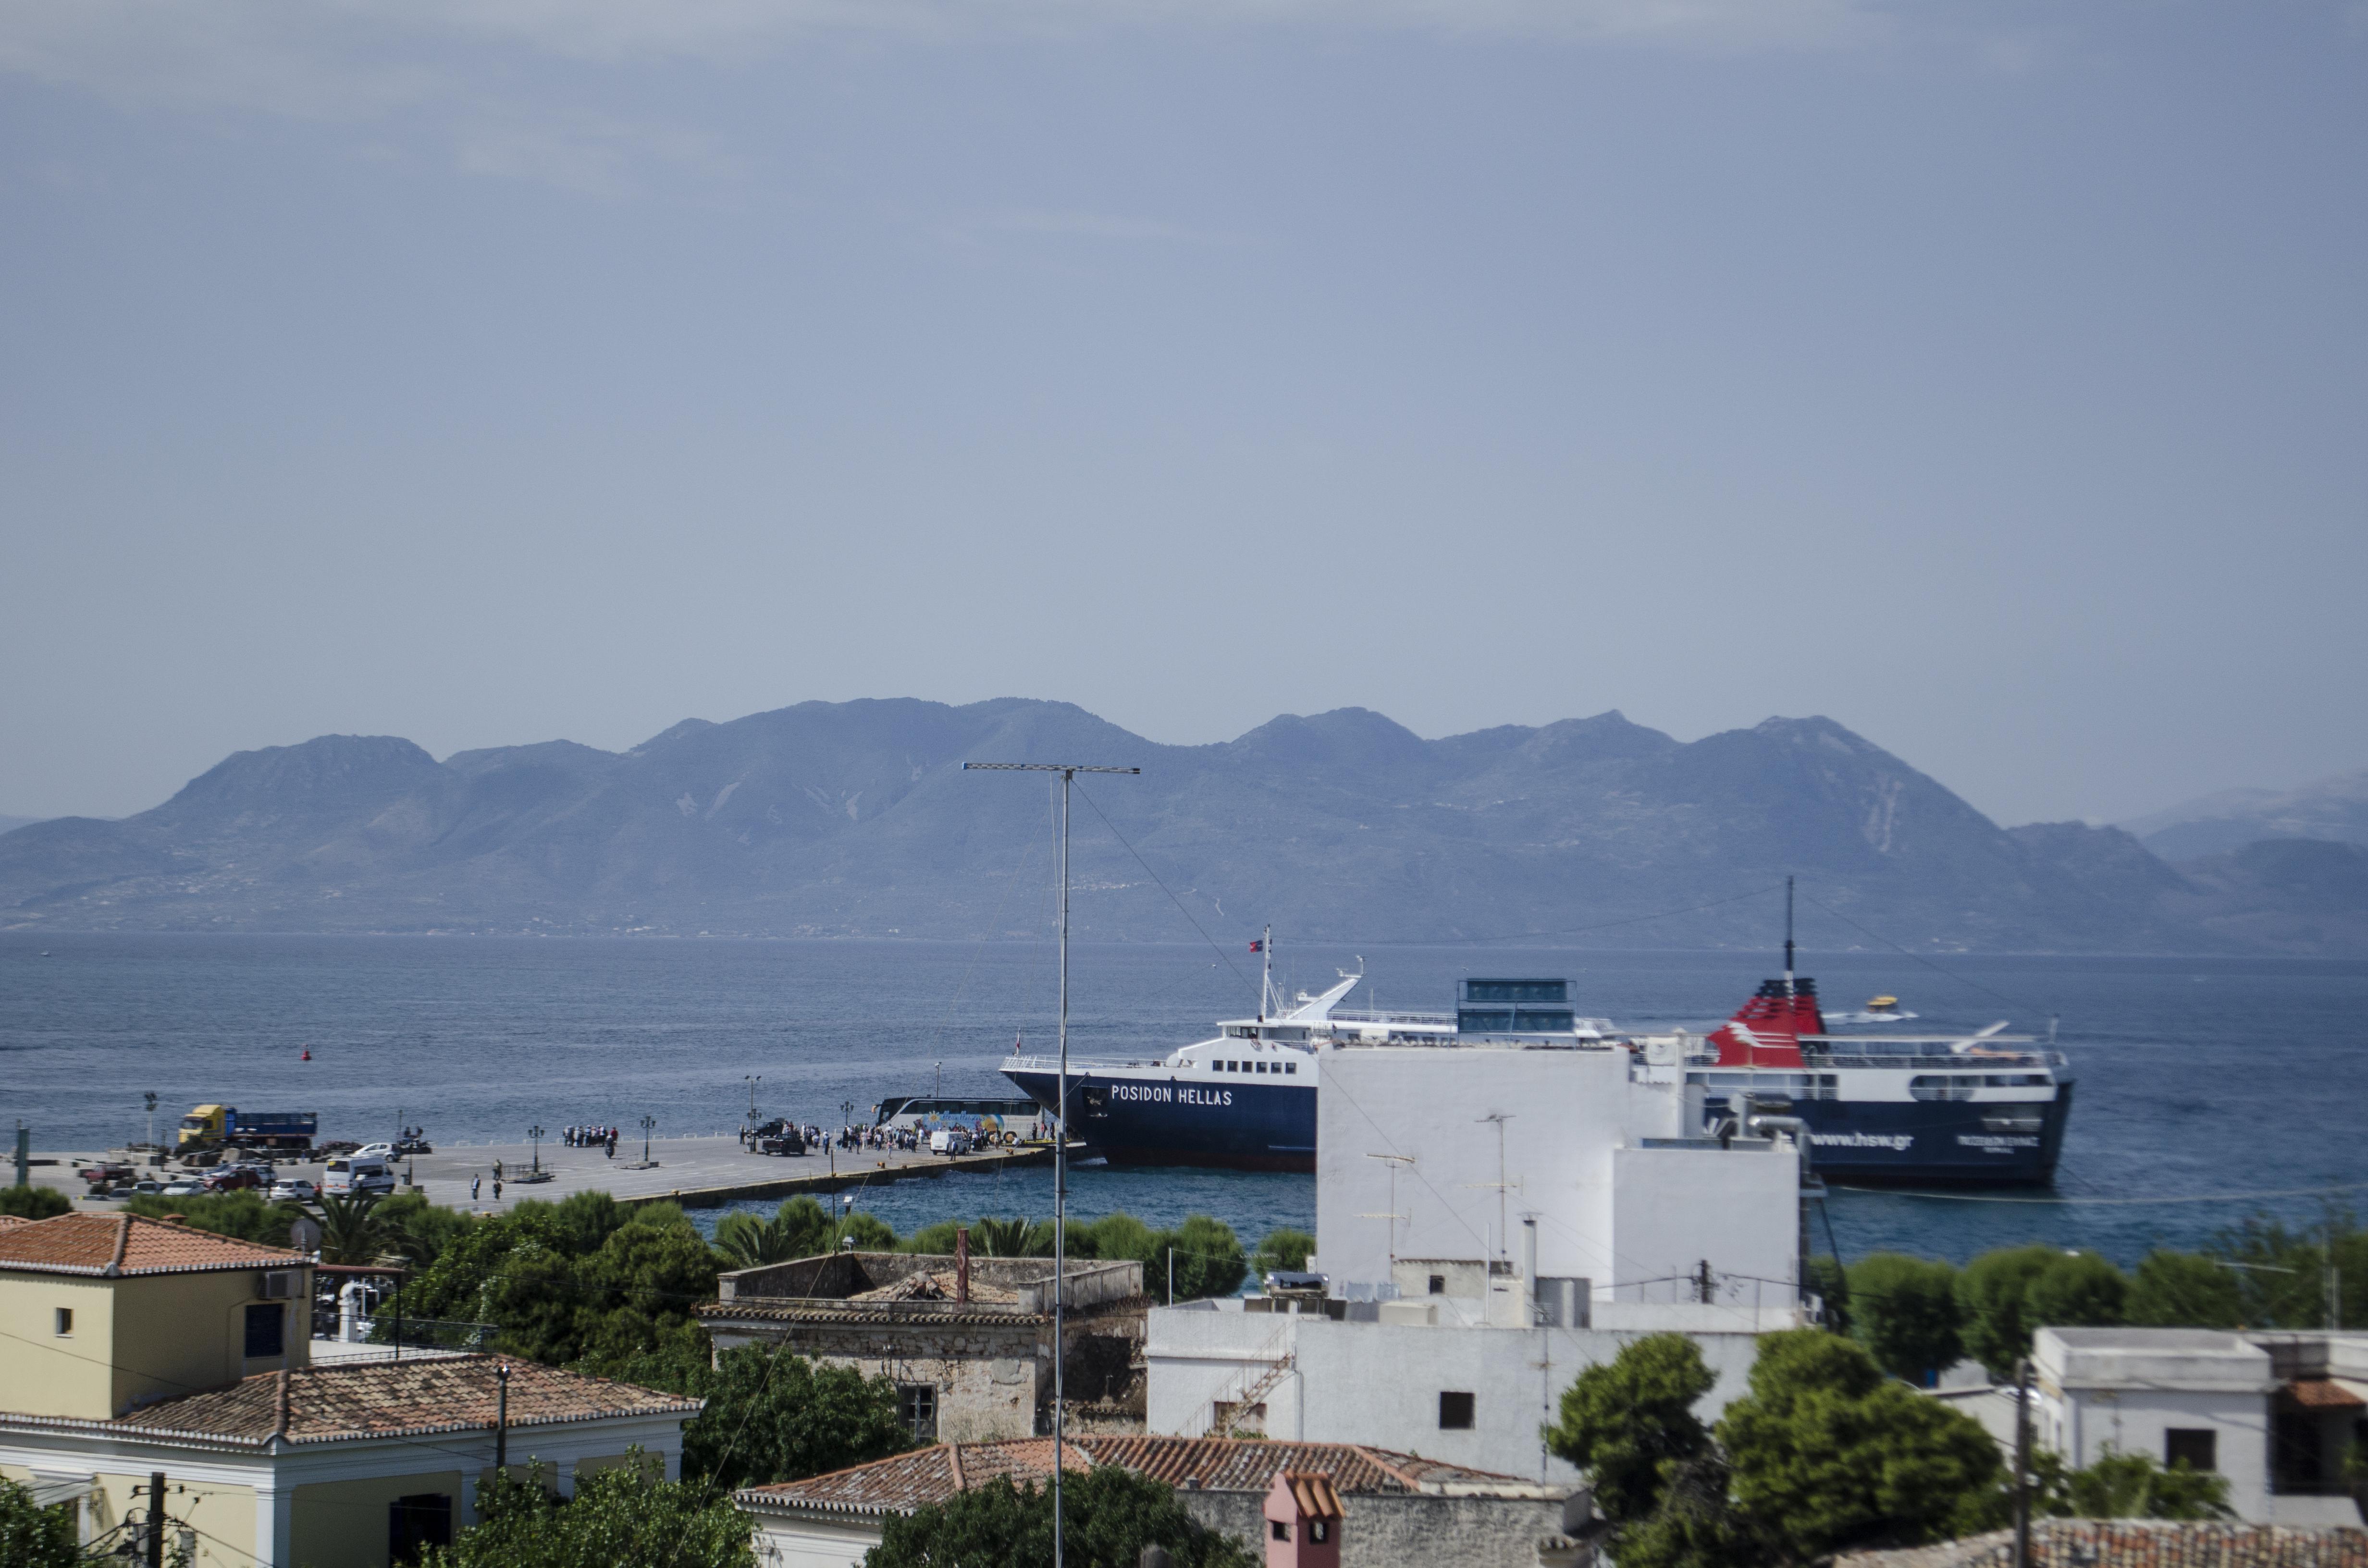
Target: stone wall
{"type": "Point", "coordinates": [2135, 1543]}
{"type": "Point", "coordinates": [1388, 1530]}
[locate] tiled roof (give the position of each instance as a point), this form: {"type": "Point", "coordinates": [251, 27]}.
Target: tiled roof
{"type": "Point", "coordinates": [386, 1399]}
{"type": "Point", "coordinates": [900, 1485]}
{"type": "Point", "coordinates": [9, 1220]}
{"type": "Point", "coordinates": [930, 1314]}
{"type": "Point", "coordinates": [2327, 1393]}
{"type": "Point", "coordinates": [1219, 1464]}
{"type": "Point", "coordinates": [128, 1244]}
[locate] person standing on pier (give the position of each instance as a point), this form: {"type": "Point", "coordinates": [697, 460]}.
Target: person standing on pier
{"type": "Point", "coordinates": [474, 1181]}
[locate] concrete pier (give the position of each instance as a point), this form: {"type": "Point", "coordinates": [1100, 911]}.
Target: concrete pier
{"type": "Point", "coordinates": [693, 1172]}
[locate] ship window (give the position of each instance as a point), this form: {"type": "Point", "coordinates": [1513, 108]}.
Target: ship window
{"type": "Point", "coordinates": [1290, 1066]}
{"type": "Point", "coordinates": [1257, 1066]}
{"type": "Point", "coordinates": [1943, 1086]}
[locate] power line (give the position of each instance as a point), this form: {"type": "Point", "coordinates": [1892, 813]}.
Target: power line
{"type": "Point", "coordinates": [1164, 887]}
{"type": "Point", "coordinates": [2021, 1004]}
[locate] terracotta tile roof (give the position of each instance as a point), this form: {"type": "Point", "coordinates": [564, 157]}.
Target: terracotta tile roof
{"type": "Point", "coordinates": [900, 1485]}
{"type": "Point", "coordinates": [1219, 1464]}
{"type": "Point", "coordinates": [384, 1399]}
{"type": "Point", "coordinates": [128, 1244]}
{"type": "Point", "coordinates": [2327, 1393]}
{"type": "Point", "coordinates": [1311, 1495]}
{"type": "Point", "coordinates": [9, 1220]}
{"type": "Point", "coordinates": [931, 1314]}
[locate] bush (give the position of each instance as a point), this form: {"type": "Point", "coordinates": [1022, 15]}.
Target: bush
{"type": "Point", "coordinates": [34, 1203]}
{"type": "Point", "coordinates": [2127, 1486]}
{"type": "Point", "coordinates": [1109, 1515]}
{"type": "Point", "coordinates": [1209, 1259]}
{"type": "Point", "coordinates": [32, 1536]}
{"type": "Point", "coordinates": [774, 1417]}
{"type": "Point", "coordinates": [1903, 1310]}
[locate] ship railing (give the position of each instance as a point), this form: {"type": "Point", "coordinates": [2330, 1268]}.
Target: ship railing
{"type": "Point", "coordinates": [1076, 1064]}
{"type": "Point", "coordinates": [1928, 1061]}
{"type": "Point", "coordinates": [1342, 1015]}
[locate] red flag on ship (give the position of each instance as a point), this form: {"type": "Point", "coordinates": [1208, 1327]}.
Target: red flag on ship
{"type": "Point", "coordinates": [1257, 947]}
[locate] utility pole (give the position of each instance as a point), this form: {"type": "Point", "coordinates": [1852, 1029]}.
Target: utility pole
{"type": "Point", "coordinates": [1394, 1216]}
{"type": "Point", "coordinates": [2022, 1464]}
{"type": "Point", "coordinates": [2334, 1274]}
{"type": "Point", "coordinates": [501, 1418]}
{"type": "Point", "coordinates": [154, 1542]}
{"type": "Point", "coordinates": [1068, 772]}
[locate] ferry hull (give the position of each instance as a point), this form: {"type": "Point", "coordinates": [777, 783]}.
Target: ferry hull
{"type": "Point", "coordinates": [1170, 1120]}
{"type": "Point", "coordinates": [1927, 1143]}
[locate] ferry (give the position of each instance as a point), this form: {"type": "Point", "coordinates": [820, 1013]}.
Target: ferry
{"type": "Point", "coordinates": [1988, 1109]}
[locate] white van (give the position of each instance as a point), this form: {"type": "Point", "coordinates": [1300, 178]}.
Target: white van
{"type": "Point", "coordinates": [357, 1173]}
{"type": "Point", "coordinates": [950, 1140]}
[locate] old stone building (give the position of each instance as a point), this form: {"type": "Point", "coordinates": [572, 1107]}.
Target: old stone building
{"type": "Point", "coordinates": [968, 1341]}
{"type": "Point", "coordinates": [1384, 1508]}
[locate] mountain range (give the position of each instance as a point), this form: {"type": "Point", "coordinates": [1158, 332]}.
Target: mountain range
{"type": "Point", "coordinates": [2334, 809]}
{"type": "Point", "coordinates": [858, 819]}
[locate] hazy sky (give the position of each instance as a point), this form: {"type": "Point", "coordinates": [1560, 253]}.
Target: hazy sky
{"type": "Point", "coordinates": [1987, 377]}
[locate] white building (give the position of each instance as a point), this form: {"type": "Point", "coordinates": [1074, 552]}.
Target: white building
{"type": "Point", "coordinates": [1493, 1218]}
{"type": "Point", "coordinates": [2274, 1413]}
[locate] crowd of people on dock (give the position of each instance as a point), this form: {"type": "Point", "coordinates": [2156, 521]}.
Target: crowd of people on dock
{"type": "Point", "coordinates": [592, 1138]}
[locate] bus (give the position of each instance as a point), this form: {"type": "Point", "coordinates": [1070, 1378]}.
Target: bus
{"type": "Point", "coordinates": [1001, 1123]}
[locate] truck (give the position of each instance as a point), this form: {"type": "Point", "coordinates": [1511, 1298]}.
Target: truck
{"type": "Point", "coordinates": [213, 1126]}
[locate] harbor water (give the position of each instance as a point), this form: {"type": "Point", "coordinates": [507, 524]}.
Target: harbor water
{"type": "Point", "coordinates": [2209, 1089]}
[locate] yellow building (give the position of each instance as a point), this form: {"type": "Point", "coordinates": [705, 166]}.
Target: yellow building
{"type": "Point", "coordinates": [134, 1346]}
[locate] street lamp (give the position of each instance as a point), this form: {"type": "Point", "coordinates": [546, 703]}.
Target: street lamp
{"type": "Point", "coordinates": [647, 1122]}
{"type": "Point", "coordinates": [752, 1080]}
{"type": "Point", "coordinates": [152, 1121]}
{"type": "Point", "coordinates": [535, 1133]}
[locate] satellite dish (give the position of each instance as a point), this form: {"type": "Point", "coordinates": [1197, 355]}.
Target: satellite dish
{"type": "Point", "coordinates": [304, 1234]}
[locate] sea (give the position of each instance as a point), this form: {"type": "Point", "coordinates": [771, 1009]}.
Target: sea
{"type": "Point", "coordinates": [2211, 1090]}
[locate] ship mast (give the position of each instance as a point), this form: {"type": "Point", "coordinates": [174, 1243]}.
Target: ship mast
{"type": "Point", "coordinates": [1068, 771]}
{"type": "Point", "coordinates": [1787, 936]}
{"type": "Point", "coordinates": [1265, 973]}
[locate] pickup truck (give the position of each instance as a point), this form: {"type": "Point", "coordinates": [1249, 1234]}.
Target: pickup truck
{"type": "Point", "coordinates": [212, 1126]}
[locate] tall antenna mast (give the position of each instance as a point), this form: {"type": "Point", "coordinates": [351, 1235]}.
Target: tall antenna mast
{"type": "Point", "coordinates": [1068, 770]}
{"type": "Point", "coordinates": [1788, 935]}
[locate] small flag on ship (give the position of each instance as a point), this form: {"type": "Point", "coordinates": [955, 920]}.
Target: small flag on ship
{"type": "Point", "coordinates": [1259, 947]}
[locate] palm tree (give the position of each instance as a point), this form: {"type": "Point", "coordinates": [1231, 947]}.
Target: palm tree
{"type": "Point", "coordinates": [350, 1232]}
{"type": "Point", "coordinates": [747, 1242]}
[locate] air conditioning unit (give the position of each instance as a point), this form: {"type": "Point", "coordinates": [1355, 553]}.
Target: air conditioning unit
{"type": "Point", "coordinates": [281, 1284]}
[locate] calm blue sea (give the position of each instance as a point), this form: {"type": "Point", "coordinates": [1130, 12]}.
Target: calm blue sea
{"type": "Point", "coordinates": [2200, 1081]}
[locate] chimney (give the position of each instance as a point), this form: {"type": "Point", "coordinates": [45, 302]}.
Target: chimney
{"type": "Point", "coordinates": [1303, 1521]}
{"type": "Point", "coordinates": [962, 1265]}
{"type": "Point", "coordinates": [1530, 1252]}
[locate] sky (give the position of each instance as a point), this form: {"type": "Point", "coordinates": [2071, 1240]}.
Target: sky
{"type": "Point", "coordinates": [1989, 378]}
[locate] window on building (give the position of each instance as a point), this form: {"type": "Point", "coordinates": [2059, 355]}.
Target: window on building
{"type": "Point", "coordinates": [266, 1329]}
{"type": "Point", "coordinates": [1282, 1530]}
{"type": "Point", "coordinates": [1439, 1284]}
{"type": "Point", "coordinates": [415, 1523]}
{"type": "Point", "coordinates": [65, 1321]}
{"type": "Point", "coordinates": [917, 1405]}
{"type": "Point", "coordinates": [1319, 1530]}
{"type": "Point", "coordinates": [1454, 1411]}
{"type": "Point", "coordinates": [2195, 1446]}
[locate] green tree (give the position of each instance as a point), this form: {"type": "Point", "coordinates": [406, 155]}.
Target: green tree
{"type": "Point", "coordinates": [2077, 1291]}
{"type": "Point", "coordinates": [1629, 1423]}
{"type": "Point", "coordinates": [749, 1240]}
{"type": "Point", "coordinates": [1830, 1281]}
{"type": "Point", "coordinates": [621, 1518]}
{"type": "Point", "coordinates": [2283, 1284]}
{"type": "Point", "coordinates": [246, 1214]}
{"type": "Point", "coordinates": [1122, 1238]}
{"type": "Point", "coordinates": [32, 1536]}
{"type": "Point", "coordinates": [1284, 1249]}
{"type": "Point", "coordinates": [2127, 1486]}
{"type": "Point", "coordinates": [778, 1417]}
{"type": "Point", "coordinates": [34, 1203]}
{"type": "Point", "coordinates": [419, 1230]}
{"type": "Point", "coordinates": [1108, 1514]}
{"type": "Point", "coordinates": [1992, 1304]}
{"type": "Point", "coordinates": [869, 1232]}
{"type": "Point", "coordinates": [1903, 1310]}
{"type": "Point", "coordinates": [1825, 1453]}
{"type": "Point", "coordinates": [1209, 1257]}
{"type": "Point", "coordinates": [2185, 1289]}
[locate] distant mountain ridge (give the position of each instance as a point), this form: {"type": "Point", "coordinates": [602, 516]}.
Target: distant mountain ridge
{"type": "Point", "coordinates": [2334, 809]}
{"type": "Point", "coordinates": [857, 819]}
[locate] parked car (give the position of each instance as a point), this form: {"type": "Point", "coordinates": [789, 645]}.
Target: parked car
{"type": "Point", "coordinates": [783, 1142]}
{"type": "Point", "coordinates": [950, 1140]}
{"type": "Point", "coordinates": [295, 1188]}
{"type": "Point", "coordinates": [375, 1152]}
{"type": "Point", "coordinates": [150, 1188]}
{"type": "Point", "coordinates": [184, 1187]}
{"type": "Point", "coordinates": [238, 1178]}
{"type": "Point", "coordinates": [103, 1178]}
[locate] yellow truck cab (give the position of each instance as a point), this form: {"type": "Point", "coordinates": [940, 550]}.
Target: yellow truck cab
{"type": "Point", "coordinates": [204, 1126]}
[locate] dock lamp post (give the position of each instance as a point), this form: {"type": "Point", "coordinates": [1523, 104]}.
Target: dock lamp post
{"type": "Point", "coordinates": [647, 1122]}
{"type": "Point", "coordinates": [752, 1079]}
{"type": "Point", "coordinates": [535, 1133]}
{"type": "Point", "coordinates": [1068, 772]}
{"type": "Point", "coordinates": [152, 1121]}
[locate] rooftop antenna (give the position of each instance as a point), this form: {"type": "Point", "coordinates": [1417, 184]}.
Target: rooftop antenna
{"type": "Point", "coordinates": [1393, 1216]}
{"type": "Point", "coordinates": [1788, 935]}
{"type": "Point", "coordinates": [1068, 771]}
